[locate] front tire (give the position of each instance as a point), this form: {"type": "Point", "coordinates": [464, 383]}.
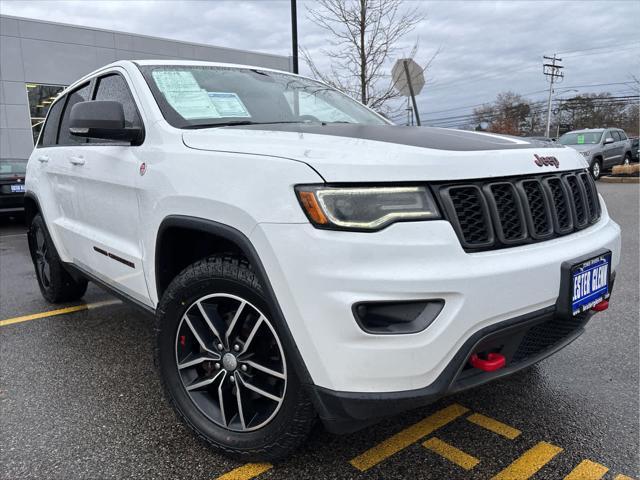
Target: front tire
{"type": "Point", "coordinates": [223, 365]}
{"type": "Point", "coordinates": [56, 284]}
{"type": "Point", "coordinates": [596, 169]}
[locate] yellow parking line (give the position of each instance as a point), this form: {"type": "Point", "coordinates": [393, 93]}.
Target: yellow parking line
{"type": "Point", "coordinates": [245, 472]}
{"type": "Point", "coordinates": [587, 470]}
{"type": "Point", "coordinates": [529, 462]}
{"type": "Point", "coordinates": [494, 425]}
{"type": "Point", "coordinates": [406, 437]}
{"type": "Point", "coordinates": [622, 477]}
{"type": "Point", "coordinates": [61, 311]}
{"type": "Point", "coordinates": [451, 453]}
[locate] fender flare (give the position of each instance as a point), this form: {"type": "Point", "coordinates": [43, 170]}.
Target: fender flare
{"type": "Point", "coordinates": [242, 241]}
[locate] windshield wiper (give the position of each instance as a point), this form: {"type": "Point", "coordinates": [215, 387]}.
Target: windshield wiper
{"type": "Point", "coordinates": [232, 124]}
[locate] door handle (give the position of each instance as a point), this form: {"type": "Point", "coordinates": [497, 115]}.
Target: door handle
{"type": "Point", "coordinates": [77, 160]}
{"type": "Point", "coordinates": [43, 159]}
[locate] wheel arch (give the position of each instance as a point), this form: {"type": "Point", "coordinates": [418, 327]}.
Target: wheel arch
{"type": "Point", "coordinates": [31, 207]}
{"type": "Point", "coordinates": [228, 237]}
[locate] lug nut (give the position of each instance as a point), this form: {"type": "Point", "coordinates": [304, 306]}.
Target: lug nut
{"type": "Point", "coordinates": [220, 346]}
{"type": "Point", "coordinates": [236, 347]}
{"type": "Point", "coordinates": [232, 379]}
{"type": "Point", "coordinates": [217, 366]}
{"type": "Point", "coordinates": [244, 368]}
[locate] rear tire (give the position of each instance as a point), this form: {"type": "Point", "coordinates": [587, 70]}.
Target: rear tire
{"type": "Point", "coordinates": [596, 169]}
{"type": "Point", "coordinates": [56, 284]}
{"type": "Point", "coordinates": [205, 372]}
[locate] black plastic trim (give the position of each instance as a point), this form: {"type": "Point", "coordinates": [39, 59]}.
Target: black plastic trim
{"type": "Point", "coordinates": [434, 304]}
{"type": "Point", "coordinates": [345, 412]}
{"type": "Point", "coordinates": [115, 257]}
{"type": "Point", "coordinates": [77, 271]}
{"type": "Point", "coordinates": [238, 238]}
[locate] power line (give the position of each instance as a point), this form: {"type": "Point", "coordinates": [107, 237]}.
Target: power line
{"type": "Point", "coordinates": [614, 45]}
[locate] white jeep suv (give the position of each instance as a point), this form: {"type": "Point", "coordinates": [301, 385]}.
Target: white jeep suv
{"type": "Point", "coordinates": [302, 256]}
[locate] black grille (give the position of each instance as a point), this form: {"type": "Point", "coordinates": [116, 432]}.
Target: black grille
{"type": "Point", "coordinates": [505, 205]}
{"type": "Point", "coordinates": [592, 195]}
{"type": "Point", "coordinates": [579, 200]}
{"type": "Point", "coordinates": [560, 203]}
{"type": "Point", "coordinates": [519, 210]}
{"type": "Point", "coordinates": [541, 224]}
{"type": "Point", "coordinates": [470, 214]}
{"type": "Point", "coordinates": [546, 335]}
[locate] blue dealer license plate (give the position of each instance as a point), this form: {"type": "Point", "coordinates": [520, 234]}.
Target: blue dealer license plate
{"type": "Point", "coordinates": [17, 188]}
{"type": "Point", "coordinates": [590, 283]}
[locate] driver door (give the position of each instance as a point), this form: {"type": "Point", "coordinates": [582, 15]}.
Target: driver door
{"type": "Point", "coordinates": [612, 152]}
{"type": "Point", "coordinates": [109, 244]}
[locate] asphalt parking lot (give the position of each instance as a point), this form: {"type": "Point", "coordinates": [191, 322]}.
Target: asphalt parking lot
{"type": "Point", "coordinates": [79, 398]}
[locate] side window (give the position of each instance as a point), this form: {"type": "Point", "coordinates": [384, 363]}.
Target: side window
{"type": "Point", "coordinates": [49, 133]}
{"type": "Point", "coordinates": [623, 136]}
{"type": "Point", "coordinates": [114, 87]}
{"type": "Point", "coordinates": [79, 95]}
{"type": "Point", "coordinates": [615, 135]}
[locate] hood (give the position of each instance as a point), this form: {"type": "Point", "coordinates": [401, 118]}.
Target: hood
{"type": "Point", "coordinates": [584, 148]}
{"type": "Point", "coordinates": [381, 153]}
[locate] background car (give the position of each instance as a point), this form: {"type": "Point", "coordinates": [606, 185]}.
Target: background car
{"type": "Point", "coordinates": [603, 148]}
{"type": "Point", "coordinates": [12, 173]}
{"type": "Point", "coordinates": [635, 149]}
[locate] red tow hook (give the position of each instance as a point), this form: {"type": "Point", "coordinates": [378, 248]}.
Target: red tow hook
{"type": "Point", "coordinates": [493, 362]}
{"type": "Point", "coordinates": [603, 305]}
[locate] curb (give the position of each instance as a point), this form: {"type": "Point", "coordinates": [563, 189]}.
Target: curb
{"type": "Point", "coordinates": [620, 179]}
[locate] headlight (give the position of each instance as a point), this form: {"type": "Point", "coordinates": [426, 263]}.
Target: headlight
{"type": "Point", "coordinates": [365, 208]}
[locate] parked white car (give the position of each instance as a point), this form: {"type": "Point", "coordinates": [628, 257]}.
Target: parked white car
{"type": "Point", "coordinates": [302, 256]}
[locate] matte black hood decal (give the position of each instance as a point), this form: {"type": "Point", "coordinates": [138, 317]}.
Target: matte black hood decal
{"type": "Point", "coordinates": [426, 137]}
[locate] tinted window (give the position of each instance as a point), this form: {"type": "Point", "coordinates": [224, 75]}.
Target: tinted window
{"type": "Point", "coordinates": [50, 131]}
{"type": "Point", "coordinates": [616, 136]}
{"type": "Point", "coordinates": [623, 136]}
{"type": "Point", "coordinates": [79, 95]}
{"type": "Point", "coordinates": [114, 87]}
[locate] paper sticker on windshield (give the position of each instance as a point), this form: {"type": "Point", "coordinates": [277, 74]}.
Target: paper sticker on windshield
{"type": "Point", "coordinates": [175, 81]}
{"type": "Point", "coordinates": [192, 105]}
{"type": "Point", "coordinates": [229, 104]}
{"type": "Point", "coordinates": [183, 93]}
{"type": "Point", "coordinates": [580, 139]}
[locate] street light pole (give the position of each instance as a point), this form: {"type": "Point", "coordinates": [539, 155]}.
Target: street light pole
{"type": "Point", "coordinates": [294, 34]}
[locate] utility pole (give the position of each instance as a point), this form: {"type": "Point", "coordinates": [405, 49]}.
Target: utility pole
{"type": "Point", "coordinates": [294, 35]}
{"type": "Point", "coordinates": [553, 71]}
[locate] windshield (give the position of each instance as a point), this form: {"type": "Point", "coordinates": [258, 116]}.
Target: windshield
{"type": "Point", "coordinates": [13, 168]}
{"type": "Point", "coordinates": [203, 96]}
{"type": "Point", "coordinates": [582, 138]}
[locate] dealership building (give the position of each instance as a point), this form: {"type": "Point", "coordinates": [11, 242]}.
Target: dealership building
{"type": "Point", "coordinates": [38, 59]}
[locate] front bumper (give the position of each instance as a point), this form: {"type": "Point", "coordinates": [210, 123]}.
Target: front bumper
{"type": "Point", "coordinates": [523, 341]}
{"type": "Point", "coordinates": [318, 275]}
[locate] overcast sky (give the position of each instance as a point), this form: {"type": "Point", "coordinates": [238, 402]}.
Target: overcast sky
{"type": "Point", "coordinates": [486, 46]}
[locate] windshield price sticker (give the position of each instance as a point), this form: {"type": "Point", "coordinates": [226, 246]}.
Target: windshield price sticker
{"type": "Point", "coordinates": [228, 104]}
{"type": "Point", "coordinates": [184, 94]}
{"type": "Point", "coordinates": [580, 139]}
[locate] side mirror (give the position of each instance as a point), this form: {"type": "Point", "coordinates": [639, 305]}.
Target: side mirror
{"type": "Point", "coordinates": [101, 119]}
{"type": "Point", "coordinates": [608, 140]}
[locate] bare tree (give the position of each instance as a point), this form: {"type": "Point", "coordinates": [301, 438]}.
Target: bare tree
{"type": "Point", "coordinates": [364, 36]}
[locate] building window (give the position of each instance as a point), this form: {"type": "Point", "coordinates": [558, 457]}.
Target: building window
{"type": "Point", "coordinates": [40, 98]}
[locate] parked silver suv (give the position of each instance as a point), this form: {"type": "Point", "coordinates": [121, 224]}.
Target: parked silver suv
{"type": "Point", "coordinates": [602, 148]}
